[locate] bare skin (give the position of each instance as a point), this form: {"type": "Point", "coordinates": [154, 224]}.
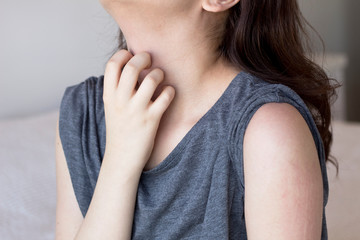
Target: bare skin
{"type": "Point", "coordinates": [176, 34]}
{"type": "Point", "coordinates": [175, 63]}
{"type": "Point", "coordinates": [283, 184]}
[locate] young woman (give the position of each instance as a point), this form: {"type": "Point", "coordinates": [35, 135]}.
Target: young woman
{"type": "Point", "coordinates": [211, 124]}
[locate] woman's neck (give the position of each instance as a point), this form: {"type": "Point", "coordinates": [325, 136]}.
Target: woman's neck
{"type": "Point", "coordinates": [178, 45]}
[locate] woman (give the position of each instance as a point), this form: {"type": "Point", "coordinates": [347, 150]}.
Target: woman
{"type": "Point", "coordinates": [213, 124]}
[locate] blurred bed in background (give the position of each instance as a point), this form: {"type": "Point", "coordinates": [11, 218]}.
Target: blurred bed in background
{"type": "Point", "coordinates": [53, 44]}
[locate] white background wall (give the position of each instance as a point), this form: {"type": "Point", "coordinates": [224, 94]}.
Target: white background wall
{"type": "Point", "coordinates": [328, 18]}
{"type": "Point", "coordinates": [338, 22]}
{"type": "Point", "coordinates": [46, 45]}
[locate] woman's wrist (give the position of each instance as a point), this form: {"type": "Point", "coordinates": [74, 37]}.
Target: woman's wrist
{"type": "Point", "coordinates": [121, 168]}
{"type": "Point", "coordinates": [113, 201]}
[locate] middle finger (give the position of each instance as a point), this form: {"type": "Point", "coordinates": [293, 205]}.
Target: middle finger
{"type": "Point", "coordinates": [130, 74]}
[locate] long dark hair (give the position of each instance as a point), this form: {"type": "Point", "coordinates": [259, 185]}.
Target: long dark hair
{"type": "Point", "coordinates": [269, 39]}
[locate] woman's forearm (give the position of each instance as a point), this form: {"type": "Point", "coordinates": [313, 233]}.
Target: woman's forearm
{"type": "Point", "coordinates": [111, 211]}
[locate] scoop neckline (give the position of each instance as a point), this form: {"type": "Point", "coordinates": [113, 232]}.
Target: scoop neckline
{"type": "Point", "coordinates": [171, 159]}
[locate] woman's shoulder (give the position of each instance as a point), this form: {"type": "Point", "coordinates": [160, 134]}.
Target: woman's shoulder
{"type": "Point", "coordinates": [251, 92]}
{"type": "Point", "coordinates": [249, 89]}
{"type": "Point", "coordinates": [82, 134]}
{"type": "Point", "coordinates": [91, 84]}
{"type": "Point", "coordinates": [272, 106]}
{"type": "Point", "coordinates": [82, 97]}
{"type": "Point", "coordinates": [81, 106]}
{"type": "Point", "coordinates": [279, 126]}
{"type": "Point", "coordinates": [271, 115]}
{"type": "Point", "coordinates": [272, 103]}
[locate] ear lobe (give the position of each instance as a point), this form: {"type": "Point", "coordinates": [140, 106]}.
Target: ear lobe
{"type": "Point", "coordinates": [218, 5]}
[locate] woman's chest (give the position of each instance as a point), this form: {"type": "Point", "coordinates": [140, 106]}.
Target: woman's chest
{"type": "Point", "coordinates": [166, 140]}
{"type": "Point", "coordinates": [197, 197]}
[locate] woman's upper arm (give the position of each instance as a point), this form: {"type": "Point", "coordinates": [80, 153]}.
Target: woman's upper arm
{"type": "Point", "coordinates": [68, 214]}
{"type": "Point", "coordinates": [283, 181]}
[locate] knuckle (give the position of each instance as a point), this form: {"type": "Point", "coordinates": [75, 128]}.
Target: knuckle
{"type": "Point", "coordinates": [117, 58]}
{"type": "Point", "coordinates": [130, 67]}
{"type": "Point", "coordinates": [154, 114]}
{"type": "Point", "coordinates": [122, 54]}
{"type": "Point", "coordinates": [145, 55]}
{"type": "Point", "coordinates": [159, 73]}
{"type": "Point", "coordinates": [161, 104]}
{"type": "Point", "coordinates": [145, 58]}
{"type": "Point", "coordinates": [152, 80]}
{"type": "Point", "coordinates": [112, 64]}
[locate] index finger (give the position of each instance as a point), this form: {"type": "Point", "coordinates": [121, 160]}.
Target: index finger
{"type": "Point", "coordinates": [113, 70]}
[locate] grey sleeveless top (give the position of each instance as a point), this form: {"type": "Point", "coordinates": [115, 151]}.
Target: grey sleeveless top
{"type": "Point", "coordinates": [197, 192]}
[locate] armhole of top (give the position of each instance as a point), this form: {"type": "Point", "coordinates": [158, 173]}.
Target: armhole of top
{"type": "Point", "coordinates": [71, 116]}
{"type": "Point", "coordinates": [275, 93]}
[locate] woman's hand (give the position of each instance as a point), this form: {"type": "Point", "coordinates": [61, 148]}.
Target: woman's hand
{"type": "Point", "coordinates": [131, 117]}
{"type": "Point", "coordinates": [132, 120]}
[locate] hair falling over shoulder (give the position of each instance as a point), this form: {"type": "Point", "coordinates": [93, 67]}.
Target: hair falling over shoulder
{"type": "Point", "coordinates": [269, 39]}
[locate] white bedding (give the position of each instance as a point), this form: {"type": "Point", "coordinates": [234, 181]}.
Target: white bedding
{"type": "Point", "coordinates": [343, 208]}
{"type": "Point", "coordinates": [27, 177]}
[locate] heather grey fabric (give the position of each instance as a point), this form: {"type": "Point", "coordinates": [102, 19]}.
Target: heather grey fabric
{"type": "Point", "coordinates": [197, 192]}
